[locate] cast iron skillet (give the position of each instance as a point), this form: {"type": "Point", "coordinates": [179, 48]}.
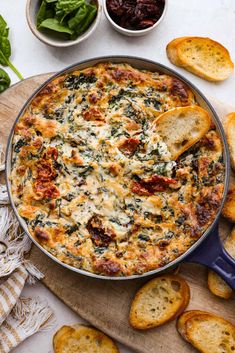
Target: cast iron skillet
{"type": "Point", "coordinates": [208, 250]}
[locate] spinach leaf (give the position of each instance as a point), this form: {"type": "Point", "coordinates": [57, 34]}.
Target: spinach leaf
{"type": "Point", "coordinates": [3, 25]}
{"type": "Point", "coordinates": [91, 10]}
{"type": "Point", "coordinates": [74, 22]}
{"type": "Point", "coordinates": [54, 25]}
{"type": "Point", "coordinates": [5, 48]}
{"type": "Point", "coordinates": [45, 11]}
{"type": "Point", "coordinates": [5, 80]}
{"type": "Point", "coordinates": [65, 7]}
{"type": "Point", "coordinates": [41, 15]}
{"type": "Point", "coordinates": [71, 17]}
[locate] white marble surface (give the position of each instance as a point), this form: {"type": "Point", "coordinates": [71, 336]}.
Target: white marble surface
{"type": "Point", "coordinates": [212, 18]}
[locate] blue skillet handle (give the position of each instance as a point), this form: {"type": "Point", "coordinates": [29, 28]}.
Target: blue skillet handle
{"type": "Point", "coordinates": [212, 254]}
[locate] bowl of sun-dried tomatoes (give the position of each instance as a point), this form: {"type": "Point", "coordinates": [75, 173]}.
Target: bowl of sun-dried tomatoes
{"type": "Point", "coordinates": [135, 17]}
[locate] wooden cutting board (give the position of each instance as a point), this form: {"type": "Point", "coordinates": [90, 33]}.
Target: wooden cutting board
{"type": "Point", "coordinates": [105, 304]}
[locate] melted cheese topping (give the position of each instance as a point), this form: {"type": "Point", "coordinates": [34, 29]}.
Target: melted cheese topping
{"type": "Point", "coordinates": [96, 188]}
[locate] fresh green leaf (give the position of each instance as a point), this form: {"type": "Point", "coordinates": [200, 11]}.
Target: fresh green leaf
{"type": "Point", "coordinates": [5, 32]}
{"type": "Point", "coordinates": [50, 1]}
{"type": "Point", "coordinates": [5, 47]}
{"type": "Point", "coordinates": [3, 25]}
{"type": "Point", "coordinates": [75, 21]}
{"type": "Point", "coordinates": [5, 80]}
{"type": "Point", "coordinates": [88, 19]}
{"type": "Point", "coordinates": [45, 11]}
{"type": "Point", "coordinates": [65, 7]}
{"type": "Point", "coordinates": [41, 15]}
{"type": "Point", "coordinates": [54, 25]}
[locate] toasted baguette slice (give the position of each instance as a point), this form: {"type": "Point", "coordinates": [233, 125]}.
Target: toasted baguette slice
{"type": "Point", "coordinates": [80, 338]}
{"type": "Point", "coordinates": [202, 56]}
{"type": "Point", "coordinates": [216, 284]}
{"type": "Point", "coordinates": [63, 331]}
{"type": "Point", "coordinates": [181, 322]}
{"type": "Point", "coordinates": [171, 51]}
{"type": "Point", "coordinates": [229, 127]}
{"type": "Point", "coordinates": [182, 127]}
{"type": "Point", "coordinates": [210, 333]}
{"type": "Point", "coordinates": [159, 301]}
{"type": "Point", "coordinates": [228, 210]}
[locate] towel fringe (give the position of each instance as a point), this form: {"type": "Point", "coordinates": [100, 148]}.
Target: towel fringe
{"type": "Point", "coordinates": [33, 315]}
{"type": "Point", "coordinates": [33, 273]}
{"type": "Point", "coordinates": [4, 200]}
{"type": "Point", "coordinates": [16, 245]}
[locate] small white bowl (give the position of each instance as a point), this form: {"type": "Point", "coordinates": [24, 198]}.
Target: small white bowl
{"type": "Point", "coordinates": [32, 7]}
{"type": "Point", "coordinates": [134, 33]}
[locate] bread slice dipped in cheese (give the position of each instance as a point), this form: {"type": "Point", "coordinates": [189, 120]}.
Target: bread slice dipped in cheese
{"type": "Point", "coordinates": [182, 127]}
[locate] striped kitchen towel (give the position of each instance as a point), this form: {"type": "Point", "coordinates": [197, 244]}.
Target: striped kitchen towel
{"type": "Point", "coordinates": [19, 317]}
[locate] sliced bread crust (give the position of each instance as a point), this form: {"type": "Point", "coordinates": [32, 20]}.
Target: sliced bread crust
{"type": "Point", "coordinates": [228, 210]}
{"type": "Point", "coordinates": [229, 127]}
{"type": "Point", "coordinates": [202, 56]}
{"type": "Point", "coordinates": [182, 127]}
{"type": "Point", "coordinates": [181, 322]}
{"type": "Point", "coordinates": [159, 301]}
{"type": "Point", "coordinates": [210, 333]}
{"type": "Point", "coordinates": [218, 286]}
{"type": "Point", "coordinates": [81, 338]}
{"type": "Point", "coordinates": [215, 283]}
{"type": "Point", "coordinates": [171, 51]}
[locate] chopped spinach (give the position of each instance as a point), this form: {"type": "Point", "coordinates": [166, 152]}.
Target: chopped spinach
{"type": "Point", "coordinates": [5, 80]}
{"type": "Point", "coordinates": [75, 82]}
{"type": "Point", "coordinates": [19, 144]}
{"type": "Point", "coordinates": [169, 234]}
{"type": "Point", "coordinates": [71, 229]}
{"type": "Point", "coordinates": [179, 221]}
{"type": "Point", "coordinates": [84, 170]}
{"type": "Point", "coordinates": [69, 197]}
{"type": "Point", "coordinates": [152, 102]}
{"type": "Point", "coordinates": [143, 237]}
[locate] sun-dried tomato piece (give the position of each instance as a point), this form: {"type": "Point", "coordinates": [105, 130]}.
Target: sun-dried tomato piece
{"type": "Point", "coordinates": [41, 234]}
{"type": "Point", "coordinates": [146, 23]}
{"type": "Point", "coordinates": [140, 190]}
{"type": "Point", "coordinates": [129, 146]}
{"type": "Point", "coordinates": [178, 88]}
{"type": "Point", "coordinates": [93, 98]}
{"type": "Point", "coordinates": [160, 179]}
{"type": "Point", "coordinates": [155, 183]}
{"type": "Point", "coordinates": [135, 14]}
{"type": "Point", "coordinates": [51, 153]}
{"type": "Point", "coordinates": [100, 235]}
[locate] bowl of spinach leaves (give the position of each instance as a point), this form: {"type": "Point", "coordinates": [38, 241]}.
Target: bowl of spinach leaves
{"type": "Point", "coordinates": [63, 23]}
